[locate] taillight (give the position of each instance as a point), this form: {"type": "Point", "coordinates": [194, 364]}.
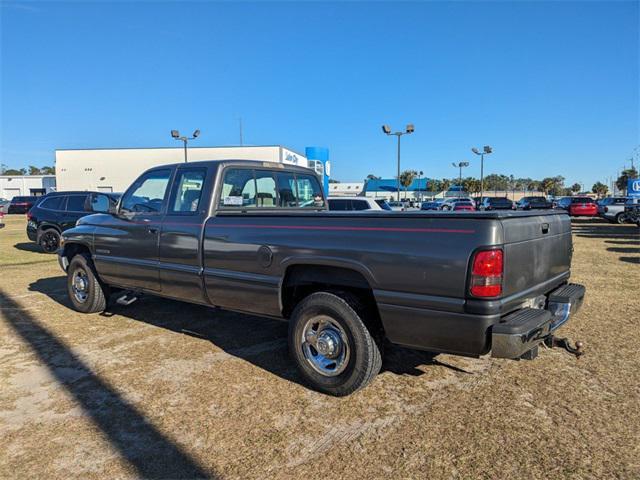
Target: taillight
{"type": "Point", "coordinates": [606, 209]}
{"type": "Point", "coordinates": [486, 273]}
{"type": "Point", "coordinates": [29, 215]}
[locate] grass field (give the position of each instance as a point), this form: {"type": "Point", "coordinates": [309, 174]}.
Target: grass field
{"type": "Point", "coordinates": [164, 389]}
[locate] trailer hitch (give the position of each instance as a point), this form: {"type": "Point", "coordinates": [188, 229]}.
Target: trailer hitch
{"type": "Point", "coordinates": [552, 341]}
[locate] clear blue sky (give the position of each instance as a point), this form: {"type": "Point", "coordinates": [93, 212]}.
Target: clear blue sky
{"type": "Point", "coordinates": [552, 86]}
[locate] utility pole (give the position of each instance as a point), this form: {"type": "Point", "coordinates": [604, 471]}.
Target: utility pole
{"type": "Point", "coordinates": [486, 150]}
{"type": "Point", "coordinates": [241, 140]}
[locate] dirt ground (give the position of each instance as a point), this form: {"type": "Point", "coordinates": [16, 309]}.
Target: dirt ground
{"type": "Point", "coordinates": [163, 389]}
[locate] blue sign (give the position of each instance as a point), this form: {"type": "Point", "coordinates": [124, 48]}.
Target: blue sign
{"type": "Point", "coordinates": [321, 156]}
{"type": "Point", "coordinates": [633, 187]}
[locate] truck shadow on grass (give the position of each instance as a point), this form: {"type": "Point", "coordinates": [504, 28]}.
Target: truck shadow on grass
{"type": "Point", "coordinates": [138, 441]}
{"type": "Point", "coordinates": [258, 340]}
{"type": "Point", "coordinates": [31, 247]}
{"type": "Point", "coordinates": [605, 230]}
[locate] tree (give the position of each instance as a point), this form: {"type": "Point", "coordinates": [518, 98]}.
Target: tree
{"type": "Point", "coordinates": [406, 179]}
{"type": "Point", "coordinates": [445, 183]}
{"type": "Point", "coordinates": [434, 185]}
{"type": "Point", "coordinates": [552, 185]}
{"type": "Point", "coordinates": [575, 188]}
{"type": "Point", "coordinates": [534, 185]}
{"type": "Point", "coordinates": [48, 170]}
{"type": "Point", "coordinates": [623, 179]}
{"type": "Point", "coordinates": [13, 171]}
{"type": "Point", "coordinates": [600, 189]}
{"type": "Point", "coordinates": [471, 185]}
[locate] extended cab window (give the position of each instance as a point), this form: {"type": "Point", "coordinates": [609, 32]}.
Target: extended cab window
{"type": "Point", "coordinates": [238, 188]}
{"type": "Point", "coordinates": [147, 194]}
{"type": "Point", "coordinates": [309, 192]}
{"type": "Point", "coordinates": [188, 191]}
{"type": "Point", "coordinates": [265, 189]}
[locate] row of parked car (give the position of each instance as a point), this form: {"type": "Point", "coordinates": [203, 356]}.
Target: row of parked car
{"type": "Point", "coordinates": [49, 216]}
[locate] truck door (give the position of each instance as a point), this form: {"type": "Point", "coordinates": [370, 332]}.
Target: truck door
{"type": "Point", "coordinates": [180, 236]}
{"type": "Point", "coordinates": [127, 248]}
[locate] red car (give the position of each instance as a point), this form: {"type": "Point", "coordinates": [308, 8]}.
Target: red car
{"type": "Point", "coordinates": [583, 207]}
{"type": "Point", "coordinates": [463, 207]}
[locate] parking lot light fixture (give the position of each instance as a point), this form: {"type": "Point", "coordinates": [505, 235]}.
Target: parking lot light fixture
{"type": "Point", "coordinates": [176, 135]}
{"type": "Point", "coordinates": [485, 151]}
{"type": "Point", "coordinates": [386, 129]}
{"type": "Point", "coordinates": [460, 165]}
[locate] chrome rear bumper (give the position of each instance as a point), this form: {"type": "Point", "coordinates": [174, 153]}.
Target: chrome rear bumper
{"type": "Point", "coordinates": [522, 331]}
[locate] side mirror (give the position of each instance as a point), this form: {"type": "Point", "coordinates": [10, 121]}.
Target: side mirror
{"type": "Point", "coordinates": [101, 203]}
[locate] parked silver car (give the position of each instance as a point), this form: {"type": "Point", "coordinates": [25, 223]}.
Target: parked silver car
{"type": "Point", "coordinates": [612, 209]}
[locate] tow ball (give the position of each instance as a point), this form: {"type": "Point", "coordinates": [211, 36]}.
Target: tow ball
{"type": "Point", "coordinates": [552, 341]}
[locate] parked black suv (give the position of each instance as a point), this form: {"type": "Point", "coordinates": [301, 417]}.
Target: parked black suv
{"type": "Point", "coordinates": [529, 203]}
{"type": "Point", "coordinates": [55, 213]}
{"type": "Point", "coordinates": [496, 203]}
{"type": "Point", "coordinates": [21, 204]}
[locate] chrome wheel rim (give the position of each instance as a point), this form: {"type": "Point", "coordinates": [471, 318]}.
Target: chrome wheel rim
{"type": "Point", "coordinates": [49, 242]}
{"type": "Point", "coordinates": [325, 346]}
{"type": "Point", "coordinates": [80, 285]}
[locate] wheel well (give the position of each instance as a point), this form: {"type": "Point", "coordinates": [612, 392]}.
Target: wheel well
{"type": "Point", "coordinates": [301, 281]}
{"type": "Point", "coordinates": [73, 249]}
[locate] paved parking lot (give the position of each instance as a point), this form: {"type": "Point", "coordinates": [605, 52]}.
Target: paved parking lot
{"type": "Point", "coordinates": [166, 389]}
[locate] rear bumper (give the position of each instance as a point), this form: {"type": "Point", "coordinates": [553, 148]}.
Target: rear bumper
{"type": "Point", "coordinates": [523, 330]}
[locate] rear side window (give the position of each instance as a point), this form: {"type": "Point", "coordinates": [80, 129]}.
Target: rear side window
{"type": "Point", "coordinates": [287, 191]}
{"type": "Point", "coordinates": [52, 203]}
{"type": "Point", "coordinates": [359, 205]}
{"type": "Point", "coordinates": [75, 203]}
{"type": "Point", "coordinates": [188, 191]}
{"type": "Point", "coordinates": [339, 204]}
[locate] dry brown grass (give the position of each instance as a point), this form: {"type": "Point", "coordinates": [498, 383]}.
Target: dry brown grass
{"type": "Point", "coordinates": [131, 394]}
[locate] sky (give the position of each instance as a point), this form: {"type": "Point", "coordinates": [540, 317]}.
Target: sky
{"type": "Point", "coordinates": [551, 86]}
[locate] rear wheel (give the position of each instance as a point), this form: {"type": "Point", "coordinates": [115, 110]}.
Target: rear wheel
{"type": "Point", "coordinates": [49, 241]}
{"type": "Point", "coordinates": [620, 218]}
{"type": "Point", "coordinates": [331, 346]}
{"type": "Point", "coordinates": [86, 293]}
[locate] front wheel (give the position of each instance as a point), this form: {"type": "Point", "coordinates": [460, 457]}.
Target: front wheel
{"type": "Point", "coordinates": [86, 293]}
{"type": "Point", "coordinates": [331, 346]}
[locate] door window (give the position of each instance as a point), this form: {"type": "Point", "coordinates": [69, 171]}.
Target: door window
{"type": "Point", "coordinates": [188, 191]}
{"type": "Point", "coordinates": [76, 203]}
{"type": "Point", "coordinates": [147, 194]}
{"type": "Point", "coordinates": [287, 192]}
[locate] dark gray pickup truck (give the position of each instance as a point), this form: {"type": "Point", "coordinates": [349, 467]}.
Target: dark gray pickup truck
{"type": "Point", "coordinates": [256, 237]}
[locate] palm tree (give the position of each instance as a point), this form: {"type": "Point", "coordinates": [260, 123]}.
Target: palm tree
{"type": "Point", "coordinates": [406, 179]}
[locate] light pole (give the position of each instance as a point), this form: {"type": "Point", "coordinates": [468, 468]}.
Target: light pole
{"type": "Point", "coordinates": [387, 130]}
{"type": "Point", "coordinates": [176, 134]}
{"type": "Point", "coordinates": [486, 150]}
{"type": "Point", "coordinates": [420, 173]}
{"type": "Point", "coordinates": [460, 165]}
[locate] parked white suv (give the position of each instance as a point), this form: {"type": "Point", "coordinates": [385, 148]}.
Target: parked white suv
{"type": "Point", "coordinates": [353, 204]}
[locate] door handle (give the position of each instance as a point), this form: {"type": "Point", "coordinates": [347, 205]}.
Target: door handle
{"type": "Point", "coordinates": [152, 229]}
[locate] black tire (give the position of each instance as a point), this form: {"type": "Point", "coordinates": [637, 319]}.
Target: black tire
{"type": "Point", "coordinates": [620, 219]}
{"type": "Point", "coordinates": [92, 297]}
{"type": "Point", "coordinates": [49, 240]}
{"type": "Point", "coordinates": [364, 353]}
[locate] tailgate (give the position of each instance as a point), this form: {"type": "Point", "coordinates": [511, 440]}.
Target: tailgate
{"type": "Point", "coordinates": [537, 249]}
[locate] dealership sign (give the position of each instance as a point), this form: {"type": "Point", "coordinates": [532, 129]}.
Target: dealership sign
{"type": "Point", "coordinates": [633, 187]}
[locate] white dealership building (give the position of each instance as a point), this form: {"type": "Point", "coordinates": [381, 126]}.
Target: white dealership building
{"type": "Point", "coordinates": [114, 169]}
{"type": "Point", "coordinates": [26, 185]}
